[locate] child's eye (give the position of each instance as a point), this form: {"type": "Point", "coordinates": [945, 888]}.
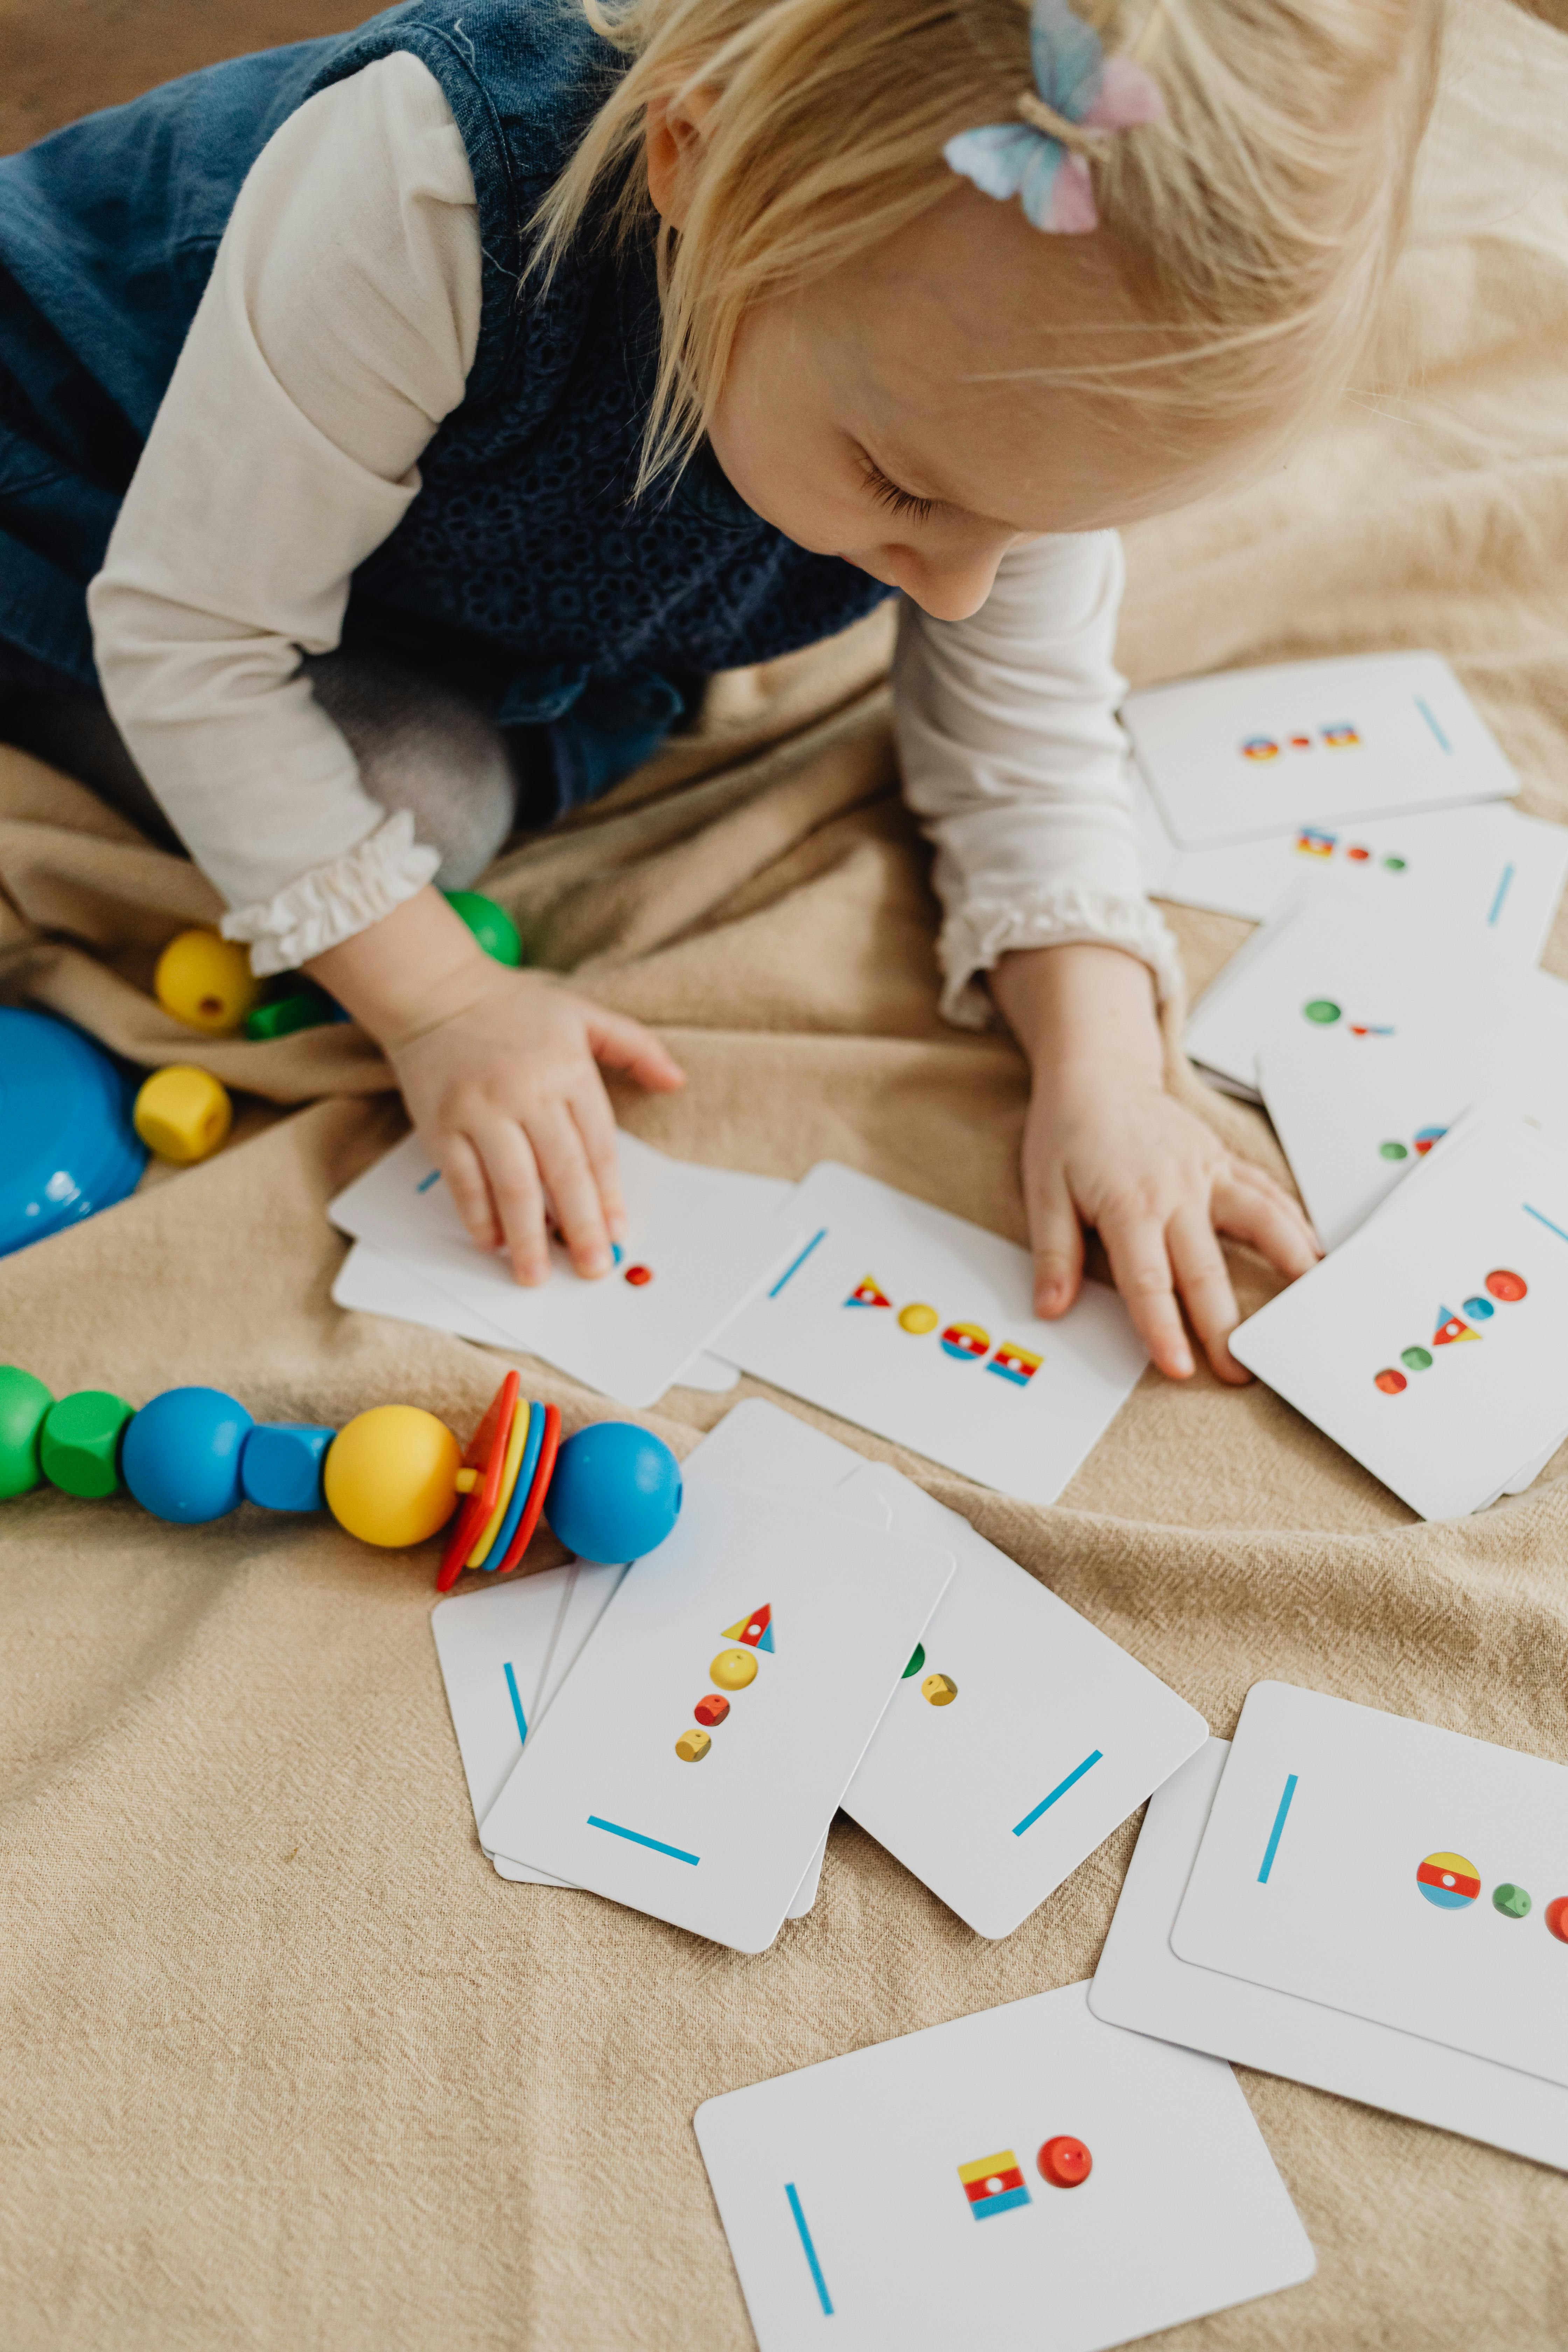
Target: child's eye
{"type": "Point", "coordinates": [888, 494]}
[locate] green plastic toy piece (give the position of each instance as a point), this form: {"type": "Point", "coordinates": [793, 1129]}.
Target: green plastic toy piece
{"type": "Point", "coordinates": [491, 925]}
{"type": "Point", "coordinates": [24, 1402]}
{"type": "Point", "coordinates": [304, 1007]}
{"type": "Point", "coordinates": [1511, 1901]}
{"type": "Point", "coordinates": [79, 1445]}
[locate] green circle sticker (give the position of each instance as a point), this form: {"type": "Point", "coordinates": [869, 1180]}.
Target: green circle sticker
{"type": "Point", "coordinates": [1393, 864]}
{"type": "Point", "coordinates": [1392, 1151]}
{"type": "Point", "coordinates": [1417, 1359]}
{"type": "Point", "coordinates": [1323, 1010]}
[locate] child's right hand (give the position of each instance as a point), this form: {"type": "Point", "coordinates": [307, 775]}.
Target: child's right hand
{"type": "Point", "coordinates": [499, 1070]}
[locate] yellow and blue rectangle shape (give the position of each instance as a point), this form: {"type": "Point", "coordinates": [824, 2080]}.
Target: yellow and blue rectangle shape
{"type": "Point", "coordinates": [994, 2184]}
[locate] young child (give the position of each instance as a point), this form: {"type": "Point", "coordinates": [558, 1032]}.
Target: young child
{"type": "Point", "coordinates": [437, 404]}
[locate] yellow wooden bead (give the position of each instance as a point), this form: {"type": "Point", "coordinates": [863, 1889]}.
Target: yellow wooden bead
{"type": "Point", "coordinates": [182, 1114]}
{"type": "Point", "coordinates": [391, 1474]}
{"type": "Point", "coordinates": [205, 981]}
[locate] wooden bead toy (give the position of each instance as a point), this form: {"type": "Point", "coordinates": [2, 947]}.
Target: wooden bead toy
{"type": "Point", "coordinates": [617, 1492]}
{"type": "Point", "coordinates": [182, 1114]}
{"type": "Point", "coordinates": [281, 1465]}
{"type": "Point", "coordinates": [180, 1455]}
{"type": "Point", "coordinates": [23, 1402]}
{"type": "Point", "coordinates": [391, 1477]}
{"type": "Point", "coordinates": [79, 1445]}
{"type": "Point", "coordinates": [205, 981]}
{"type": "Point", "coordinates": [491, 925]}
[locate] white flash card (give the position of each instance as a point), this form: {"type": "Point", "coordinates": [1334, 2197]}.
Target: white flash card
{"type": "Point", "coordinates": [494, 1648]}
{"type": "Point", "coordinates": [372, 1282]}
{"type": "Point", "coordinates": [1141, 1983]}
{"type": "Point", "coordinates": [1402, 1872]}
{"type": "Point", "coordinates": [1019, 1737]}
{"type": "Point", "coordinates": [692, 1760]}
{"type": "Point", "coordinates": [1316, 966]}
{"type": "Point", "coordinates": [1251, 751]}
{"type": "Point", "coordinates": [1355, 1124]}
{"type": "Point", "coordinates": [921, 1327]}
{"type": "Point", "coordinates": [1430, 1345]}
{"type": "Point", "coordinates": [506, 1650]}
{"type": "Point", "coordinates": [1483, 867]}
{"type": "Point", "coordinates": [1028, 2181]}
{"type": "Point", "coordinates": [701, 1240]}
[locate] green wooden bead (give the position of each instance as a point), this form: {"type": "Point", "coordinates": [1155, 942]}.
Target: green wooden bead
{"type": "Point", "coordinates": [80, 1444]}
{"type": "Point", "coordinates": [304, 1007]}
{"type": "Point", "coordinates": [491, 925]}
{"type": "Point", "coordinates": [24, 1402]}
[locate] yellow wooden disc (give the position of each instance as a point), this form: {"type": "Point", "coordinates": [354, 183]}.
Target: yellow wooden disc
{"type": "Point", "coordinates": [514, 1445]}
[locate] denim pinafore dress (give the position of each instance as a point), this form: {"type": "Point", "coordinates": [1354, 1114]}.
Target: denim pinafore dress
{"type": "Point", "coordinates": [524, 572]}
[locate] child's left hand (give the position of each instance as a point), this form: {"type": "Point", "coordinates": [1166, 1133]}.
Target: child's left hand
{"type": "Point", "coordinates": [1105, 1145]}
{"type": "Point", "coordinates": [1157, 1185]}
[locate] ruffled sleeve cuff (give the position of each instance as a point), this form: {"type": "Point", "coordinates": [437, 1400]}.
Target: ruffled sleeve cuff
{"type": "Point", "coordinates": [334, 901]}
{"type": "Point", "coordinates": [977, 934]}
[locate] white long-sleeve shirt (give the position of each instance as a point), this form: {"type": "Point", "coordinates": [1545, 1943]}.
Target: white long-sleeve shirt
{"type": "Point", "coordinates": [337, 330]}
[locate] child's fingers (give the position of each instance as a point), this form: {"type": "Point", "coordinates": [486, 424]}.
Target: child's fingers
{"type": "Point", "coordinates": [596, 1126]}
{"type": "Point", "coordinates": [573, 1194]}
{"type": "Point", "coordinates": [1205, 1285]}
{"type": "Point", "coordinates": [625, 1045]}
{"type": "Point", "coordinates": [463, 1172]}
{"type": "Point", "coordinates": [518, 1197]}
{"type": "Point", "coordinates": [1055, 1237]}
{"type": "Point", "coordinates": [1251, 1208]}
{"type": "Point", "coordinates": [1141, 1269]}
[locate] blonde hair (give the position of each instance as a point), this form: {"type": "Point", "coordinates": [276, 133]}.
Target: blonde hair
{"type": "Point", "coordinates": [1254, 226]}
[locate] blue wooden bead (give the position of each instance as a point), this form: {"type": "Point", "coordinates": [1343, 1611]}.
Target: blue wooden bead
{"type": "Point", "coordinates": [614, 1493]}
{"type": "Point", "coordinates": [281, 1465]}
{"type": "Point", "coordinates": [182, 1455]}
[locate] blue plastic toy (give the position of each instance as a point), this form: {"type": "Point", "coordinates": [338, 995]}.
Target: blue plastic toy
{"type": "Point", "coordinates": [67, 1145]}
{"type": "Point", "coordinates": [615, 1493]}
{"type": "Point", "coordinates": [181, 1457]}
{"type": "Point", "coordinates": [280, 1467]}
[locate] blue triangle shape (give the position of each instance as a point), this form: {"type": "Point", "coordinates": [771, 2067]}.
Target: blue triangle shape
{"type": "Point", "coordinates": [767, 1641]}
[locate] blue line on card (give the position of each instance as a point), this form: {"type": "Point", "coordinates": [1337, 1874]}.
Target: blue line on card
{"type": "Point", "coordinates": [795, 1265]}
{"type": "Point", "coordinates": [1502, 890]}
{"type": "Point", "coordinates": [818, 2282]}
{"type": "Point", "coordinates": [516, 1701]}
{"type": "Point", "coordinates": [1277, 1833]}
{"type": "Point", "coordinates": [1544, 1221]}
{"type": "Point", "coordinates": [1060, 1791]}
{"type": "Point", "coordinates": [1431, 722]}
{"type": "Point", "coordinates": [637, 1838]}
{"type": "Point", "coordinates": [425, 1181]}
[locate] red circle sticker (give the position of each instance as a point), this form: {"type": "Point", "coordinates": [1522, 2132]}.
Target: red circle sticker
{"type": "Point", "coordinates": [637, 1275]}
{"type": "Point", "coordinates": [1509, 1287]}
{"type": "Point", "coordinates": [1390, 1382]}
{"type": "Point", "coordinates": [1556, 1917]}
{"type": "Point", "coordinates": [1065, 2162]}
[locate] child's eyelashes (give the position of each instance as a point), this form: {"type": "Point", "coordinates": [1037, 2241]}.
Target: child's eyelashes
{"type": "Point", "coordinates": [888, 494]}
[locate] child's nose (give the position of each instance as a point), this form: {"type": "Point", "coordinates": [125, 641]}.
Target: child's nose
{"type": "Point", "coordinates": [949, 587]}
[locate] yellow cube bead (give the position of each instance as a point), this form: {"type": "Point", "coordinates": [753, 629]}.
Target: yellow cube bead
{"type": "Point", "coordinates": [205, 981]}
{"type": "Point", "coordinates": [182, 1114]}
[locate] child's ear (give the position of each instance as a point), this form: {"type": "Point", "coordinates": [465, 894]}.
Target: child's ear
{"type": "Point", "coordinates": [675, 132]}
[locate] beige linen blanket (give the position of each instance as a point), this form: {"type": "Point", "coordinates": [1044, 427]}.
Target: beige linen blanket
{"type": "Point", "coordinates": [285, 2064]}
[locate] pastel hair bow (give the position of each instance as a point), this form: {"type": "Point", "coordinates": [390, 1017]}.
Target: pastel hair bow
{"type": "Point", "coordinates": [1081, 97]}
